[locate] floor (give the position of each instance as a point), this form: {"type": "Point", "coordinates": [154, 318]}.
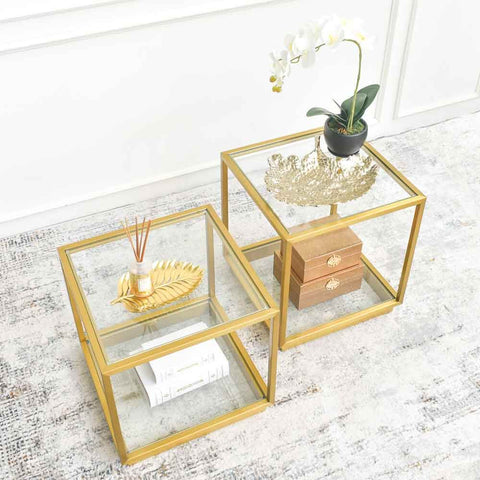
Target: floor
{"type": "Point", "coordinates": [397, 397]}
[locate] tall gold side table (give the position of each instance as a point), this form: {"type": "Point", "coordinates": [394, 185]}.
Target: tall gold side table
{"type": "Point", "coordinates": [229, 299]}
{"type": "Point", "coordinates": [385, 190]}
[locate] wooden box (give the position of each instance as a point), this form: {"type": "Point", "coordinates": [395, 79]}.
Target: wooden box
{"type": "Point", "coordinates": [306, 294]}
{"type": "Point", "coordinates": [323, 267]}
{"type": "Point", "coordinates": [326, 254]}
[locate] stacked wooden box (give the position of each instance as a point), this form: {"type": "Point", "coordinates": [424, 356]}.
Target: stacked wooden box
{"type": "Point", "coordinates": [323, 267]}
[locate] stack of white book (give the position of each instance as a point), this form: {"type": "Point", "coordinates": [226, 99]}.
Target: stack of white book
{"type": "Point", "coordinates": [180, 372]}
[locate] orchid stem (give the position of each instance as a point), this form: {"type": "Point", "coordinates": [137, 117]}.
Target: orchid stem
{"type": "Point", "coordinates": [298, 57]}
{"type": "Point", "coordinates": [352, 112]}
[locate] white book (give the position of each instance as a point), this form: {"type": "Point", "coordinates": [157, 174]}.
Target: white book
{"type": "Point", "coordinates": [171, 365]}
{"type": "Point", "coordinates": [180, 372]}
{"type": "Point", "coordinates": [183, 383]}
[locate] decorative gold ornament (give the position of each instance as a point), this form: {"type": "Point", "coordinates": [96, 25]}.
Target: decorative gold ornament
{"type": "Point", "coordinates": [332, 284]}
{"type": "Point", "coordinates": [320, 179]}
{"type": "Point", "coordinates": [171, 280]}
{"type": "Point", "coordinates": [334, 260]}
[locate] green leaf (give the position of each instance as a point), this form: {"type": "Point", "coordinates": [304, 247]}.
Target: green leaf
{"type": "Point", "coordinates": [347, 105]}
{"type": "Point", "coordinates": [319, 111]}
{"type": "Point", "coordinates": [371, 92]}
{"type": "Point", "coordinates": [323, 111]}
{"type": "Point", "coordinates": [342, 121]}
{"type": "Point", "coordinates": [339, 122]}
{"type": "Point", "coordinates": [343, 113]}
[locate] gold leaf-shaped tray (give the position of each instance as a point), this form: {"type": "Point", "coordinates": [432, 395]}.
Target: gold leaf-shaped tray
{"type": "Point", "coordinates": [319, 177]}
{"type": "Point", "coordinates": [171, 280]}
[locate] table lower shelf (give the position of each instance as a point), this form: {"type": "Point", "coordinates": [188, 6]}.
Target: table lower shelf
{"type": "Point", "coordinates": [142, 425]}
{"type": "Point", "coordinates": [375, 295]}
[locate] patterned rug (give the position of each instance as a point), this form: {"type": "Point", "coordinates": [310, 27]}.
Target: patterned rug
{"type": "Point", "coordinates": [397, 397]}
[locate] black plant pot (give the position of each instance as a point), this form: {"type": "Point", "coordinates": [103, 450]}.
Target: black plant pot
{"type": "Point", "coordinates": [344, 145]}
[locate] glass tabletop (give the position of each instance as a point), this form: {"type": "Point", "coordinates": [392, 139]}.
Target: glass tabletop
{"type": "Point", "coordinates": [300, 179]}
{"type": "Point", "coordinates": [226, 292]}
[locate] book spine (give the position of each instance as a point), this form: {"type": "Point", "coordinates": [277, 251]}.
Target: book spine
{"type": "Point", "coordinates": [192, 379]}
{"type": "Point", "coordinates": [169, 372]}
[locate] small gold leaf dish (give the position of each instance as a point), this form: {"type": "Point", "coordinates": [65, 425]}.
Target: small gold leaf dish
{"type": "Point", "coordinates": [171, 280]}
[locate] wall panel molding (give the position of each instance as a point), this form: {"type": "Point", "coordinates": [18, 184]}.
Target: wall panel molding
{"type": "Point", "coordinates": [440, 105]}
{"type": "Point", "coordinates": [52, 27]}
{"type": "Point", "coordinates": [387, 54]}
{"type": "Point", "coordinates": [15, 12]}
{"type": "Point", "coordinates": [405, 53]}
{"type": "Point", "coordinates": [401, 112]}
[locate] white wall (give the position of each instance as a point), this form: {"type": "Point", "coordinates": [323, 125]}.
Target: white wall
{"type": "Point", "coordinates": [101, 102]}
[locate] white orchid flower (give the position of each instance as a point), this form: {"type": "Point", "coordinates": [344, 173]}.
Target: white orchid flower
{"type": "Point", "coordinates": [316, 27]}
{"type": "Point", "coordinates": [333, 32]}
{"type": "Point", "coordinates": [288, 42]}
{"type": "Point", "coordinates": [354, 30]}
{"type": "Point", "coordinates": [304, 45]}
{"type": "Point", "coordinates": [280, 63]}
{"type": "Point", "coordinates": [280, 69]}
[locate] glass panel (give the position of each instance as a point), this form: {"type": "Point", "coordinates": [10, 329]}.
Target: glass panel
{"type": "Point", "coordinates": [195, 240]}
{"type": "Point", "coordinates": [194, 387]}
{"type": "Point", "coordinates": [139, 337]}
{"type": "Point", "coordinates": [370, 292]}
{"type": "Point", "coordinates": [233, 289]}
{"type": "Point", "coordinates": [385, 241]}
{"type": "Point", "coordinates": [94, 361]}
{"type": "Point", "coordinates": [352, 172]}
{"type": "Point", "coordinates": [248, 224]}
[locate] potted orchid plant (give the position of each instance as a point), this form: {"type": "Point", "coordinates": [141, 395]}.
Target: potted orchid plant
{"type": "Point", "coordinates": [345, 131]}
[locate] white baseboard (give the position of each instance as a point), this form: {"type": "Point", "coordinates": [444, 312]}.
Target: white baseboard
{"type": "Point", "coordinates": [50, 215]}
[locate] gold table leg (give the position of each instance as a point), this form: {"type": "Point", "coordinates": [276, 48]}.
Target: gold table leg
{"type": "Point", "coordinates": [210, 257]}
{"type": "Point", "coordinates": [285, 289]}
{"type": "Point", "coordinates": [224, 186]}
{"type": "Point", "coordinates": [412, 241]}
{"type": "Point", "coordinates": [112, 410]}
{"type": "Point", "coordinates": [272, 361]}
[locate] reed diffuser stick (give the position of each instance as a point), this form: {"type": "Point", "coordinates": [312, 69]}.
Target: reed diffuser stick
{"type": "Point", "coordinates": [142, 231]}
{"type": "Point", "coordinates": [141, 237]}
{"type": "Point", "coordinates": [136, 233]}
{"type": "Point", "coordinates": [145, 241]}
{"type": "Point", "coordinates": [127, 231]}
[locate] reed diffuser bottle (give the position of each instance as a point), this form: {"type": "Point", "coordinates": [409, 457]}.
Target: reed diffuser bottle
{"type": "Point", "coordinates": [140, 280]}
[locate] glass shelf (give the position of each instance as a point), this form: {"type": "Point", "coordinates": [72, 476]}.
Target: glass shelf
{"type": "Point", "coordinates": [372, 292]}
{"type": "Point", "coordinates": [142, 424]}
{"type": "Point", "coordinates": [389, 186]}
{"type": "Point", "coordinates": [98, 267]}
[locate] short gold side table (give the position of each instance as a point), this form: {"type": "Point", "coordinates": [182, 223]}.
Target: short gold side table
{"type": "Point", "coordinates": [229, 299]}
{"type": "Point", "coordinates": [276, 173]}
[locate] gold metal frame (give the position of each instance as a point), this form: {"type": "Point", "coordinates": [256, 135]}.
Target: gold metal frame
{"type": "Point", "coordinates": [101, 371]}
{"type": "Point", "coordinates": [287, 239]}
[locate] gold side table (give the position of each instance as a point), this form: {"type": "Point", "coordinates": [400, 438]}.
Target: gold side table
{"type": "Point", "coordinates": [229, 299]}
{"type": "Point", "coordinates": [388, 192]}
